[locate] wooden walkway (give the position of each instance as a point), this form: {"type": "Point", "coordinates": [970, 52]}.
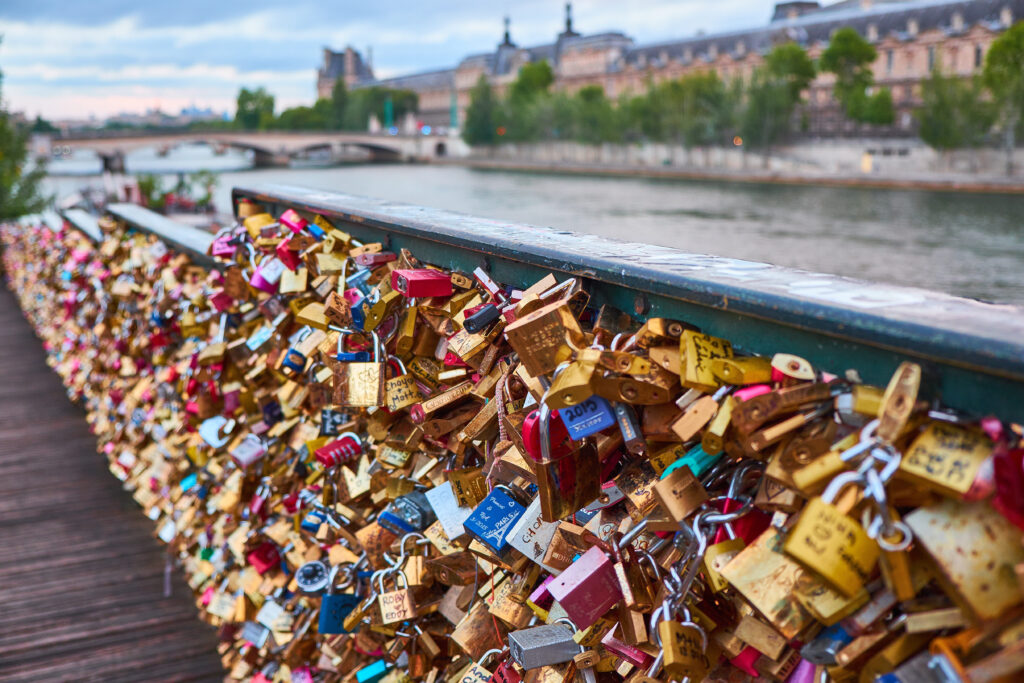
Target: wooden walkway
{"type": "Point", "coordinates": [81, 576]}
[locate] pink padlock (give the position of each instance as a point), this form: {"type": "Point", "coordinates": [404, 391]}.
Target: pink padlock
{"type": "Point", "coordinates": [749, 392]}
{"type": "Point", "coordinates": [587, 588]}
{"type": "Point", "coordinates": [267, 275]}
{"type": "Point", "coordinates": [293, 221]}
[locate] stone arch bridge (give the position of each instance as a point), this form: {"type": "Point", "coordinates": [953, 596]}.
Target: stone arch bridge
{"type": "Point", "coordinates": [270, 148]}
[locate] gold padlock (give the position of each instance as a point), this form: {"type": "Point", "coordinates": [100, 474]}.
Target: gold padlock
{"type": "Point", "coordinates": [830, 543]}
{"type": "Point", "coordinates": [361, 384]}
{"type": "Point", "coordinates": [401, 391]}
{"type": "Point", "coordinates": [685, 646]}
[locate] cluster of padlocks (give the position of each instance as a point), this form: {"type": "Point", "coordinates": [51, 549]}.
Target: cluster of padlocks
{"type": "Point", "coordinates": [371, 468]}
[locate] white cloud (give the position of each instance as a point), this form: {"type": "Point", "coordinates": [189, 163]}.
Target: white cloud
{"type": "Point", "coordinates": [57, 67]}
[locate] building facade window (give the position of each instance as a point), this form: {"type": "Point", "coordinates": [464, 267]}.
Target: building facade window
{"type": "Point", "coordinates": [888, 61]}
{"type": "Point", "coordinates": [979, 56]}
{"type": "Point", "coordinates": [931, 58]}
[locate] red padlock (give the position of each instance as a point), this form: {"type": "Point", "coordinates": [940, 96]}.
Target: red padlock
{"type": "Point", "coordinates": [373, 260]}
{"type": "Point", "coordinates": [561, 444]}
{"type": "Point", "coordinates": [288, 256]}
{"type": "Point", "coordinates": [421, 282]}
{"type": "Point", "coordinates": [343, 449]}
{"type": "Point", "coordinates": [264, 557]}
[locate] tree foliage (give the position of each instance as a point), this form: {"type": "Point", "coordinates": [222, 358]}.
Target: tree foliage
{"type": "Point", "coordinates": [480, 125]}
{"type": "Point", "coordinates": [850, 57]}
{"type": "Point", "coordinates": [254, 109]}
{"type": "Point", "coordinates": [953, 112]}
{"type": "Point", "coordinates": [343, 110]}
{"type": "Point", "coordinates": [773, 94]}
{"type": "Point", "coordinates": [19, 184]}
{"type": "Point", "coordinates": [1004, 76]}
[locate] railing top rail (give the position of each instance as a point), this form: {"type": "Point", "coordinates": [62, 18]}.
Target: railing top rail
{"type": "Point", "coordinates": [84, 221]}
{"type": "Point", "coordinates": [961, 332]}
{"type": "Point", "coordinates": [185, 238]}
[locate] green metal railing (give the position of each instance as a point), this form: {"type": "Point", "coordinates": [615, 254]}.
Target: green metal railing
{"type": "Point", "coordinates": [974, 350]}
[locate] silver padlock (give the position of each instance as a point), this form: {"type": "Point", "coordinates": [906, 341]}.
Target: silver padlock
{"type": "Point", "coordinates": [532, 648]}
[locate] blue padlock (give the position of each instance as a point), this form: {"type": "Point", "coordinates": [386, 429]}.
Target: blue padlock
{"type": "Point", "coordinates": [294, 361]}
{"type": "Point", "coordinates": [587, 417]}
{"type": "Point", "coordinates": [373, 673]}
{"type": "Point", "coordinates": [334, 607]}
{"type": "Point", "coordinates": [312, 521]}
{"type": "Point", "coordinates": [492, 519]}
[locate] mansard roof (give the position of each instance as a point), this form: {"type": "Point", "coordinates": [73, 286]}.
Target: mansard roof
{"type": "Point", "coordinates": [428, 80]}
{"type": "Point", "coordinates": [817, 26]}
{"type": "Point", "coordinates": [335, 67]}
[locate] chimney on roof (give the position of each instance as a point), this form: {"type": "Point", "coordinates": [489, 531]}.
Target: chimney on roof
{"type": "Point", "coordinates": [1006, 16]}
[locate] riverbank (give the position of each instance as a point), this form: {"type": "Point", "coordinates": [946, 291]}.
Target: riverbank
{"type": "Point", "coordinates": [954, 182]}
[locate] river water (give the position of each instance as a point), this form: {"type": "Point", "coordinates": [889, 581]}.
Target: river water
{"type": "Point", "coordinates": [968, 245]}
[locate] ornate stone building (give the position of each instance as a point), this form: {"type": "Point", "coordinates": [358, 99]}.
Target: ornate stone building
{"type": "Point", "coordinates": [912, 37]}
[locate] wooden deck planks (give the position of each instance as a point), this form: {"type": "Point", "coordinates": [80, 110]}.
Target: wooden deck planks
{"type": "Point", "coordinates": [81, 576]}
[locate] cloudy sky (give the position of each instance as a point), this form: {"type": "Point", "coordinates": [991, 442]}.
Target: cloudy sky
{"type": "Point", "coordinates": [75, 58]}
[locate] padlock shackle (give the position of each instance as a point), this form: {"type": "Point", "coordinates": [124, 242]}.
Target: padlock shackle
{"type": "Point", "coordinates": [840, 482]}
{"type": "Point", "coordinates": [484, 657]}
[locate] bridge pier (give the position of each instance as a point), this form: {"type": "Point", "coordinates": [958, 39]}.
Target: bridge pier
{"type": "Point", "coordinates": [266, 159]}
{"type": "Point", "coordinates": [113, 162]}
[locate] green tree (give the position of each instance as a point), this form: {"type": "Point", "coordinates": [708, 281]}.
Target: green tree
{"type": "Point", "coordinates": [790, 63]}
{"type": "Point", "coordinates": [877, 108]}
{"type": "Point", "coordinates": [954, 113]}
{"type": "Point", "coordinates": [709, 110]}
{"type": "Point", "coordinates": [41, 125]}
{"type": "Point", "coordinates": [337, 104]}
{"type": "Point", "coordinates": [533, 79]}
{"type": "Point", "coordinates": [850, 57]}
{"type": "Point", "coordinates": [363, 103]}
{"type": "Point", "coordinates": [1004, 76]}
{"type": "Point", "coordinates": [152, 191]}
{"type": "Point", "coordinates": [481, 115]}
{"type": "Point", "coordinates": [772, 96]}
{"type": "Point", "coordinates": [19, 186]}
{"type": "Point", "coordinates": [524, 111]}
{"type": "Point", "coordinates": [767, 112]}
{"type": "Point", "coordinates": [303, 118]}
{"type": "Point", "coordinates": [255, 109]}
{"type": "Point", "coordinates": [595, 116]}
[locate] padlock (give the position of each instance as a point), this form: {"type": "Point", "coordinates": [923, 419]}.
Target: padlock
{"type": "Point", "coordinates": [265, 557]}
{"type": "Point", "coordinates": [346, 448]}
{"type": "Point", "coordinates": [685, 646]}
{"type": "Point", "coordinates": [494, 517]}
{"type": "Point", "coordinates": [396, 605]}
{"type": "Point", "coordinates": [407, 514]}
{"type": "Point", "coordinates": [588, 588]}
{"type": "Point", "coordinates": [545, 645]}
{"type": "Point", "coordinates": [832, 544]}
{"type": "Point", "coordinates": [477, 671]}
{"type": "Point", "coordinates": [361, 383]}
{"type": "Point", "coordinates": [421, 283]}
{"type": "Point", "coordinates": [251, 449]}
{"type": "Point", "coordinates": [401, 391]}
{"type": "Point", "coordinates": [335, 607]}
{"type": "Point", "coordinates": [565, 483]}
